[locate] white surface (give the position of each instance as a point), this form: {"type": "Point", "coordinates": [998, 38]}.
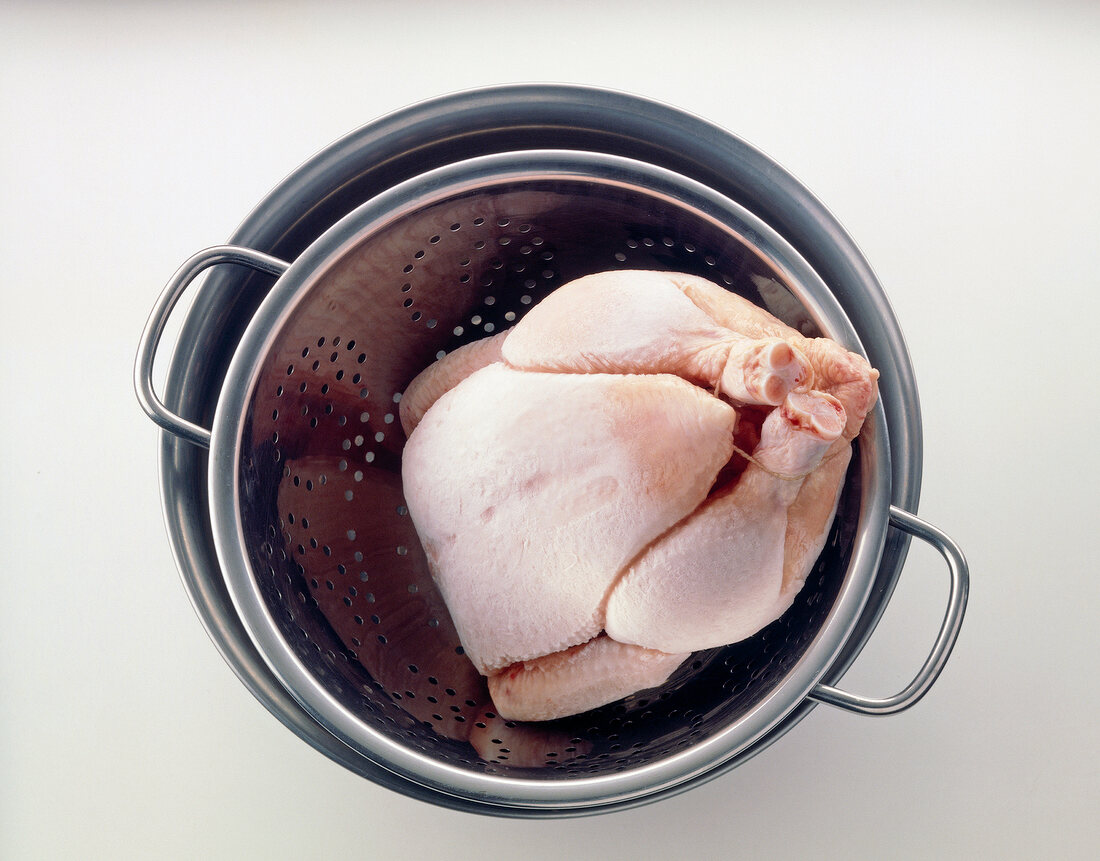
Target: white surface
{"type": "Point", "coordinates": [957, 145]}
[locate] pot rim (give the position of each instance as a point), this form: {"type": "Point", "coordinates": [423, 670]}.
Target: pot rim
{"type": "Point", "coordinates": [633, 784]}
{"type": "Point", "coordinates": [425, 134]}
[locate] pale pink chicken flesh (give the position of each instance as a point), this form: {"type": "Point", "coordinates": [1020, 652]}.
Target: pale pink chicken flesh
{"type": "Point", "coordinates": [530, 492]}
{"type": "Point", "coordinates": [575, 484]}
{"type": "Point", "coordinates": [719, 572]}
{"type": "Point", "coordinates": [579, 678]}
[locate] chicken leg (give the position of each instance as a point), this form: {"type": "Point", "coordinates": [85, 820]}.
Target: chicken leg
{"type": "Point", "coordinates": [718, 576]}
{"type": "Point", "coordinates": [630, 322]}
{"type": "Point", "coordinates": [836, 371]}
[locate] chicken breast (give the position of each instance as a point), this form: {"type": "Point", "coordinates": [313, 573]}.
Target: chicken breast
{"type": "Point", "coordinates": [531, 492]}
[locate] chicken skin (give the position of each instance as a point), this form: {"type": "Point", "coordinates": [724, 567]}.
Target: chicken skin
{"type": "Point", "coordinates": [583, 506]}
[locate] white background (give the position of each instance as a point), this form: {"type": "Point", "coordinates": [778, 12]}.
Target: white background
{"type": "Point", "coordinates": [958, 144]}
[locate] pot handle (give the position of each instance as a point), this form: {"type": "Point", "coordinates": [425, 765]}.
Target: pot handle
{"type": "Point", "coordinates": [158, 318]}
{"type": "Point", "coordinates": [949, 631]}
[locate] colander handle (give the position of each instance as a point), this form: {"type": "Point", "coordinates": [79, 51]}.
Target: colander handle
{"type": "Point", "coordinates": [949, 630]}
{"type": "Point", "coordinates": [158, 318]}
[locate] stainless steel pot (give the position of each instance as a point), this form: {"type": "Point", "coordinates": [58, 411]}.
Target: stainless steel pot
{"type": "Point", "coordinates": [333, 622]}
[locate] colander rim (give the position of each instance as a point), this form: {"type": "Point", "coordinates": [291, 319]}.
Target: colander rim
{"type": "Point", "coordinates": [564, 793]}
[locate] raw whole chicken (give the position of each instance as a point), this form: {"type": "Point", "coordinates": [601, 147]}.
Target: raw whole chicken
{"type": "Point", "coordinates": [584, 507]}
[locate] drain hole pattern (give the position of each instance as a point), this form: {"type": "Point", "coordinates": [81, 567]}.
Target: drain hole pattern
{"type": "Point", "coordinates": [504, 266]}
{"type": "Point", "coordinates": [335, 554]}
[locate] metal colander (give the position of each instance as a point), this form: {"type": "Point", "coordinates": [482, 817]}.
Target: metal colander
{"type": "Point", "coordinates": [321, 558]}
